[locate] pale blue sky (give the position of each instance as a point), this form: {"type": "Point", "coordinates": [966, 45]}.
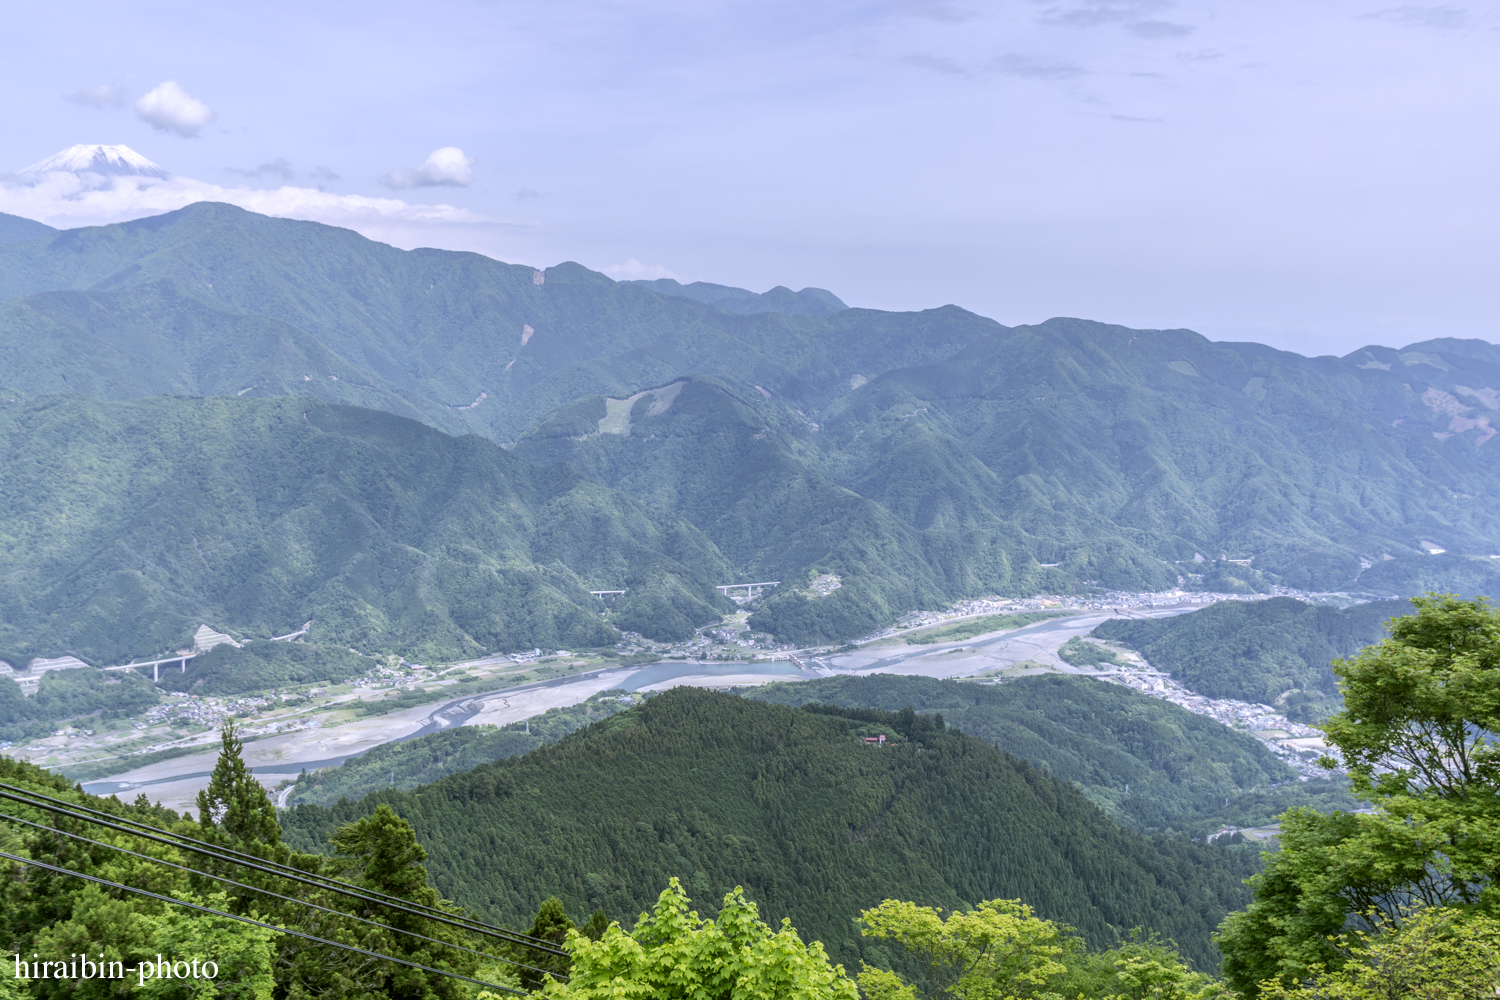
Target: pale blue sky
{"type": "Point", "coordinates": [1317, 175]}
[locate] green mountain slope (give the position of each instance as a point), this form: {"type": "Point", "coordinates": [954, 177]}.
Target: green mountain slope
{"type": "Point", "coordinates": [125, 525]}
{"type": "Point", "coordinates": [1153, 766]}
{"type": "Point", "coordinates": [747, 473]}
{"type": "Point", "coordinates": [157, 339]}
{"type": "Point", "coordinates": [14, 229]}
{"type": "Point", "coordinates": [68, 694]}
{"type": "Point", "coordinates": [723, 791]}
{"type": "Point", "coordinates": [921, 457]}
{"type": "Point", "coordinates": [1123, 454]}
{"type": "Point", "coordinates": [447, 326]}
{"type": "Point", "coordinates": [1274, 652]}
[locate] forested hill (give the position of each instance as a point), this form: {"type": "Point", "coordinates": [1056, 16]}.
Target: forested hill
{"type": "Point", "coordinates": [920, 457]}
{"type": "Point", "coordinates": [793, 805]}
{"type": "Point", "coordinates": [1274, 652]}
{"type": "Point", "coordinates": [14, 229]}
{"type": "Point", "coordinates": [1153, 766]}
{"type": "Point", "coordinates": [126, 525]}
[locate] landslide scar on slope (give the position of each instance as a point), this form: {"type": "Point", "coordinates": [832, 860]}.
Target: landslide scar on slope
{"type": "Point", "coordinates": [616, 419]}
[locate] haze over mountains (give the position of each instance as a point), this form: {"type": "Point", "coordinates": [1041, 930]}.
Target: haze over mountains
{"type": "Point", "coordinates": [920, 457]}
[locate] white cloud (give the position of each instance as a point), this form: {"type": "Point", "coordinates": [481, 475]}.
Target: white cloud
{"type": "Point", "coordinates": [171, 109]}
{"type": "Point", "coordinates": [67, 199]}
{"type": "Point", "coordinates": [100, 95]}
{"type": "Point", "coordinates": [446, 167]}
{"type": "Point", "coordinates": [634, 270]}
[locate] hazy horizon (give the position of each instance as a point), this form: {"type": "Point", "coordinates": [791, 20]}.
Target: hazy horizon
{"type": "Point", "coordinates": [1316, 178]}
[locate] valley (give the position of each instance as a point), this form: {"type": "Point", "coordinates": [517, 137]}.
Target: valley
{"type": "Point", "coordinates": [581, 585]}
{"type": "Point", "coordinates": [318, 726]}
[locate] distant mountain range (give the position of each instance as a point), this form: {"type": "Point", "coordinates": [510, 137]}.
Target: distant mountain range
{"type": "Point", "coordinates": [808, 302]}
{"type": "Point", "coordinates": [918, 457]}
{"type": "Point", "coordinates": [126, 524]}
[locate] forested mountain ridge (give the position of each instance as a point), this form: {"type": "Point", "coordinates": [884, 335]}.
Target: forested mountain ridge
{"type": "Point", "coordinates": [127, 524]}
{"type": "Point", "coordinates": [748, 474]}
{"type": "Point", "coordinates": [14, 229]}
{"type": "Point", "coordinates": [446, 326]}
{"type": "Point", "coordinates": [808, 302]}
{"type": "Point", "coordinates": [1116, 449]}
{"type": "Point", "coordinates": [920, 457]}
{"type": "Point", "coordinates": [1149, 764]}
{"type": "Point", "coordinates": [814, 823]}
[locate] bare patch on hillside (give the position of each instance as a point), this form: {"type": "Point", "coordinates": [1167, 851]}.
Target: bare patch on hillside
{"type": "Point", "coordinates": [1422, 358]}
{"type": "Point", "coordinates": [1489, 397]}
{"type": "Point", "coordinates": [1461, 418]}
{"type": "Point", "coordinates": [616, 419]}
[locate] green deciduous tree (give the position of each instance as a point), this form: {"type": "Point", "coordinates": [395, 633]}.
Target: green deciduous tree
{"type": "Point", "coordinates": [234, 801]}
{"type": "Point", "coordinates": [1415, 737]}
{"type": "Point", "coordinates": [998, 949]}
{"type": "Point", "coordinates": [1437, 954]}
{"type": "Point", "coordinates": [673, 954]}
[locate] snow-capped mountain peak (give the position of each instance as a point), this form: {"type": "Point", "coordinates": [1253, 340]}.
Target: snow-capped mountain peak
{"type": "Point", "coordinates": [117, 161]}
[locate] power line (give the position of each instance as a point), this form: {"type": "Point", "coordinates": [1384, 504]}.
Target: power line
{"type": "Point", "coordinates": [314, 879]}
{"type": "Point", "coordinates": [277, 895]}
{"type": "Point", "coordinates": [183, 842]}
{"type": "Point", "coordinates": [258, 923]}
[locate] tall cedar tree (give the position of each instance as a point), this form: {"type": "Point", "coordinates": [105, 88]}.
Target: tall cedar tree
{"type": "Point", "coordinates": [551, 924]}
{"type": "Point", "coordinates": [381, 852]}
{"type": "Point", "coordinates": [234, 800]}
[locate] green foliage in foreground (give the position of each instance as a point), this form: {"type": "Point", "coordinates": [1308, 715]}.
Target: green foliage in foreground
{"type": "Point", "coordinates": [1415, 736]}
{"type": "Point", "coordinates": [1273, 652]}
{"type": "Point", "coordinates": [160, 514]}
{"type": "Point", "coordinates": [1434, 954]}
{"type": "Point", "coordinates": [68, 694]}
{"type": "Point", "coordinates": [47, 916]}
{"type": "Point", "coordinates": [1001, 949]}
{"type": "Point", "coordinates": [265, 666]}
{"type": "Point", "coordinates": [673, 954]}
{"type": "Point", "coordinates": [979, 626]}
{"type": "Point", "coordinates": [724, 791]}
{"type": "Point", "coordinates": [1148, 763]}
{"type": "Point", "coordinates": [428, 758]}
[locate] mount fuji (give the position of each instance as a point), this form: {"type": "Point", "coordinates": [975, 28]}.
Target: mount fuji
{"type": "Point", "coordinates": [109, 161]}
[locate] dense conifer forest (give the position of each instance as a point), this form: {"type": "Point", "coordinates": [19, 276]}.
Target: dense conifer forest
{"type": "Point", "coordinates": [813, 822]}
{"type": "Point", "coordinates": [1149, 764]}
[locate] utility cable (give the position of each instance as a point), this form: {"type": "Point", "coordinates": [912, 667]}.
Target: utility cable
{"type": "Point", "coordinates": [258, 923]}
{"type": "Point", "coordinates": [277, 895]}
{"type": "Point", "coordinates": [182, 842]}
{"type": "Point", "coordinates": [230, 854]}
